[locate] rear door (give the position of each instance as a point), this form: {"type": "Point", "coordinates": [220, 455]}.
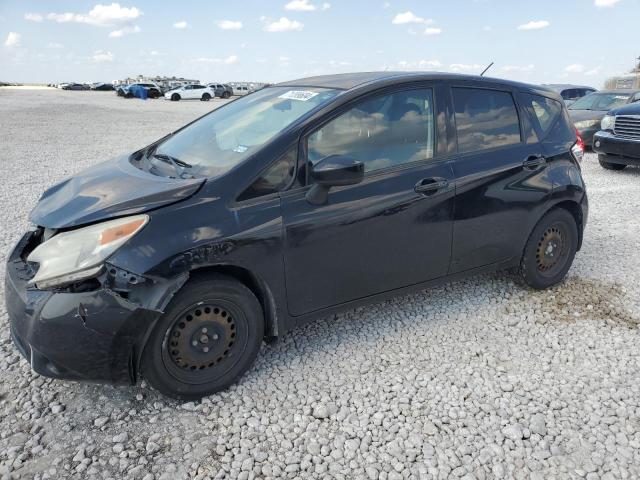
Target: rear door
{"type": "Point", "coordinates": [389, 231]}
{"type": "Point", "coordinates": [500, 175]}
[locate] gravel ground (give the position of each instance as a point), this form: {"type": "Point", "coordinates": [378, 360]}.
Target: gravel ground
{"type": "Point", "coordinates": [477, 379]}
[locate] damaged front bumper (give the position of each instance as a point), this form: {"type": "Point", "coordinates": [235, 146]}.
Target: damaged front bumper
{"type": "Point", "coordinates": [95, 335]}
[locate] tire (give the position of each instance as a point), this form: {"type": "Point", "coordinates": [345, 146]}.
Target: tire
{"type": "Point", "coordinates": [225, 320]}
{"type": "Point", "coordinates": [550, 250]}
{"type": "Point", "coordinates": [205, 97]}
{"type": "Point", "coordinates": [608, 165]}
{"type": "Point", "coordinates": [225, 95]}
{"type": "Point", "coordinates": [153, 93]}
{"type": "Point", "coordinates": [128, 95]}
{"type": "Point", "coordinates": [175, 97]}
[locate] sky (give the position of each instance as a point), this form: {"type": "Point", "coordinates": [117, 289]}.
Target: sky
{"type": "Point", "coordinates": [546, 41]}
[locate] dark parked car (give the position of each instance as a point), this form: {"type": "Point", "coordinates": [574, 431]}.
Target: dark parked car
{"type": "Point", "coordinates": [150, 90]}
{"type": "Point", "coordinates": [317, 195]}
{"type": "Point", "coordinates": [221, 90]}
{"type": "Point", "coordinates": [570, 93]}
{"type": "Point", "coordinates": [75, 86]}
{"type": "Point", "coordinates": [618, 143]}
{"type": "Point", "coordinates": [587, 113]}
{"type": "Point", "coordinates": [102, 87]}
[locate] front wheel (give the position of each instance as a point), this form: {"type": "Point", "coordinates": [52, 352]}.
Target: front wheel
{"type": "Point", "coordinates": [207, 338]}
{"type": "Point", "coordinates": [206, 97]}
{"type": "Point", "coordinates": [175, 97]}
{"type": "Point", "coordinates": [550, 250]}
{"type": "Point", "coordinates": [225, 95]}
{"type": "Point", "coordinates": [608, 165]}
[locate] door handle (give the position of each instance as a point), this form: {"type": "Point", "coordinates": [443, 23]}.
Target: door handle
{"type": "Point", "coordinates": [429, 186]}
{"type": "Point", "coordinates": [534, 162]}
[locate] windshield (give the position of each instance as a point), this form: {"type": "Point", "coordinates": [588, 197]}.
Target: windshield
{"type": "Point", "coordinates": [227, 136]}
{"type": "Point", "coordinates": [600, 101]}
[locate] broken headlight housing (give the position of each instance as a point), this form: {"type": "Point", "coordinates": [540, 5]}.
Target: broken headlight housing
{"type": "Point", "coordinates": [79, 254]}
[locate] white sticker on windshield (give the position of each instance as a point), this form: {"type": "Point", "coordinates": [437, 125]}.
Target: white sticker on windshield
{"type": "Point", "coordinates": [302, 95]}
{"type": "Point", "coordinates": [240, 149]}
{"type": "Point", "coordinates": [620, 97]}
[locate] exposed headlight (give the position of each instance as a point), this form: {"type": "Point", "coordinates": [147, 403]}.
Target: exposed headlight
{"type": "Point", "coordinates": [586, 124]}
{"type": "Point", "coordinates": [608, 122]}
{"type": "Point", "coordinates": [79, 254]}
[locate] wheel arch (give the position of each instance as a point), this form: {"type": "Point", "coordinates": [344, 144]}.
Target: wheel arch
{"type": "Point", "coordinates": [575, 210]}
{"type": "Point", "coordinates": [258, 287]}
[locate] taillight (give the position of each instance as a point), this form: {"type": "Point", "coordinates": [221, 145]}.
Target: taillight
{"type": "Point", "coordinates": [578, 148]}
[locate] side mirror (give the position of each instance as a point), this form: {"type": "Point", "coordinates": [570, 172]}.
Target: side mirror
{"type": "Point", "coordinates": [332, 171]}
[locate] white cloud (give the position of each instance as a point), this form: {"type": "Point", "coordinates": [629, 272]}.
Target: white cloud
{"type": "Point", "coordinates": [487, 28]}
{"type": "Point", "coordinates": [518, 68]}
{"type": "Point", "coordinates": [100, 15]}
{"type": "Point", "coordinates": [181, 25]}
{"type": "Point", "coordinates": [13, 40]}
{"type": "Point", "coordinates": [605, 3]}
{"type": "Point", "coordinates": [419, 65]}
{"type": "Point", "coordinates": [154, 53]}
{"type": "Point", "coordinates": [54, 45]}
{"type": "Point", "coordinates": [300, 6]}
{"type": "Point", "coordinates": [574, 68]}
{"type": "Point", "coordinates": [229, 24]}
{"type": "Point", "coordinates": [463, 67]}
{"type": "Point", "coordinates": [593, 71]}
{"type": "Point", "coordinates": [283, 25]}
{"type": "Point", "coordinates": [409, 17]}
{"type": "Point", "coordinates": [534, 25]}
{"type": "Point", "coordinates": [230, 60]}
{"type": "Point", "coordinates": [33, 17]}
{"type": "Point", "coordinates": [124, 31]}
{"type": "Point", "coordinates": [100, 56]}
{"type": "Point", "coordinates": [326, 6]}
{"type": "Point", "coordinates": [432, 31]}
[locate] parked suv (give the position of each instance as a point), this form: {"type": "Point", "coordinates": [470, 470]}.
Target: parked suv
{"type": "Point", "coordinates": [221, 90]}
{"type": "Point", "coordinates": [570, 93]}
{"type": "Point", "coordinates": [618, 143]}
{"type": "Point", "coordinates": [151, 90]}
{"type": "Point", "coordinates": [175, 262]}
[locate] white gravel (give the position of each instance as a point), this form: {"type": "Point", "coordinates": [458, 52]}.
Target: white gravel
{"type": "Point", "coordinates": [477, 379]}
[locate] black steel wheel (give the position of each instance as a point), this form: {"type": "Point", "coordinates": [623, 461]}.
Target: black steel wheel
{"type": "Point", "coordinates": [550, 250]}
{"type": "Point", "coordinates": [175, 97]}
{"type": "Point", "coordinates": [208, 337]}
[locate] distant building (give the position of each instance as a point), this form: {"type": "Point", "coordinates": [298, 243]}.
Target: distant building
{"type": "Point", "coordinates": [164, 82]}
{"type": "Point", "coordinates": [629, 80]}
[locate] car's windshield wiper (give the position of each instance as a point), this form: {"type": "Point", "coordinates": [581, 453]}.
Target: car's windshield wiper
{"type": "Point", "coordinates": [176, 163]}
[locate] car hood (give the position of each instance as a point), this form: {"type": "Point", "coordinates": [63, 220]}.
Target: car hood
{"type": "Point", "coordinates": [630, 109]}
{"type": "Point", "coordinates": [110, 189]}
{"type": "Point", "coordinates": [579, 115]}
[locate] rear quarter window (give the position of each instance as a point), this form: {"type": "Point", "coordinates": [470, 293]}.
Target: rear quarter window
{"type": "Point", "coordinates": [544, 112]}
{"type": "Point", "coordinates": [485, 119]}
{"type": "Point", "coordinates": [549, 119]}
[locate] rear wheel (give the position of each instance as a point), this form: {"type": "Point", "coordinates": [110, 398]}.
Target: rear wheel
{"type": "Point", "coordinates": [205, 97]}
{"type": "Point", "coordinates": [208, 337]}
{"type": "Point", "coordinates": [226, 95]}
{"type": "Point", "coordinates": [550, 250]}
{"type": "Point", "coordinates": [608, 165]}
{"type": "Point", "coordinates": [175, 97]}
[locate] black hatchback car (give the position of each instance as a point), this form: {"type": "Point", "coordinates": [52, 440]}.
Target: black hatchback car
{"type": "Point", "coordinates": [174, 263]}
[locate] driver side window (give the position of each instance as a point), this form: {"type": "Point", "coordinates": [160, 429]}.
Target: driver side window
{"type": "Point", "coordinates": [381, 132]}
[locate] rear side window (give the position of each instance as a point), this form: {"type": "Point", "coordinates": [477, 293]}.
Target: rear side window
{"type": "Point", "coordinates": [485, 119]}
{"type": "Point", "coordinates": [544, 112]}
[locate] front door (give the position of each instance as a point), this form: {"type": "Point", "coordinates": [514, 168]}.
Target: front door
{"type": "Point", "coordinates": [391, 230]}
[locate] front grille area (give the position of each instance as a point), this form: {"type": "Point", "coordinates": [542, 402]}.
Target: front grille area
{"type": "Point", "coordinates": [627, 126]}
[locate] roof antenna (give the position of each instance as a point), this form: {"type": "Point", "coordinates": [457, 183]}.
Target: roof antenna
{"type": "Point", "coordinates": [488, 67]}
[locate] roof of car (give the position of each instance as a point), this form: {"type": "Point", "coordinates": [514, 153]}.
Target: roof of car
{"type": "Point", "coordinates": [563, 86]}
{"type": "Point", "coordinates": [347, 81]}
